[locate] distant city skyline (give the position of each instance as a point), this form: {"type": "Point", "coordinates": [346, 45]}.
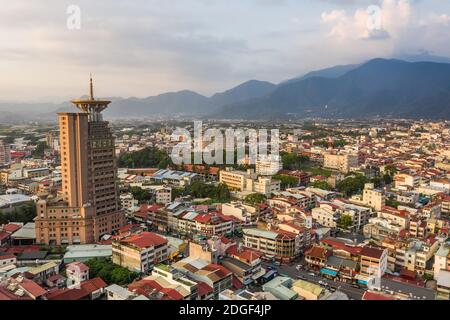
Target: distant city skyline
{"type": "Point", "coordinates": [146, 48]}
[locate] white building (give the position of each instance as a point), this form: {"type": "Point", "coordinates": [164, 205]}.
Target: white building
{"type": "Point", "coordinates": [164, 195]}
{"type": "Point", "coordinates": [77, 273]}
{"type": "Point", "coordinates": [268, 165]}
{"type": "Point", "coordinates": [341, 162]}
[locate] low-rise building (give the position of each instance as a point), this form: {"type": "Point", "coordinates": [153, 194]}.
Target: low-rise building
{"type": "Point", "coordinates": [139, 252]}
{"type": "Point", "coordinates": [280, 245]}
{"type": "Point", "coordinates": [76, 273]}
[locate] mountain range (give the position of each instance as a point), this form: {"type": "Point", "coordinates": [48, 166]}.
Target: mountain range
{"type": "Point", "coordinates": [406, 87]}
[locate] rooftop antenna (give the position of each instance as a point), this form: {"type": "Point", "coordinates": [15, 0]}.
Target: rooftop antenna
{"type": "Point", "coordinates": [91, 87]}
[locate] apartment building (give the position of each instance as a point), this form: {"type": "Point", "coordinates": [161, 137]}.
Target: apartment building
{"type": "Point", "coordinates": [293, 197]}
{"type": "Point", "coordinates": [445, 205]}
{"type": "Point", "coordinates": [139, 252]}
{"type": "Point", "coordinates": [248, 181]}
{"type": "Point", "coordinates": [268, 165]}
{"type": "Point", "coordinates": [164, 195]}
{"type": "Point", "coordinates": [328, 214]}
{"type": "Point", "coordinates": [216, 276]}
{"type": "Point", "coordinates": [246, 214]}
{"type": "Point", "coordinates": [236, 180]}
{"type": "Point", "coordinates": [244, 263]}
{"type": "Point", "coordinates": [33, 173]}
{"type": "Point", "coordinates": [373, 261]}
{"type": "Point", "coordinates": [414, 255]}
{"type": "Point", "coordinates": [340, 162]}
{"type": "Point", "coordinates": [400, 218]}
{"type": "Point", "coordinates": [169, 277]}
{"type": "Point", "coordinates": [316, 257]}
{"type": "Point", "coordinates": [5, 153]}
{"type": "Point", "coordinates": [203, 224]}
{"type": "Point", "coordinates": [441, 259]}
{"type": "Point", "coordinates": [406, 181]}
{"type": "Point", "coordinates": [280, 245]}
{"type": "Point", "coordinates": [371, 197]}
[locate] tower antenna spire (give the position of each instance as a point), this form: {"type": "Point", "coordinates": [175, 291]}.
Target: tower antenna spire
{"type": "Point", "coordinates": [91, 88]}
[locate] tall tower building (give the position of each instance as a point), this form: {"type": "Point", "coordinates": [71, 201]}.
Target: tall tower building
{"type": "Point", "coordinates": [5, 153]}
{"type": "Point", "coordinates": [88, 205]}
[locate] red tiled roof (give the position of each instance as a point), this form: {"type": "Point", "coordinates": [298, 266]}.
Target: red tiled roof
{"type": "Point", "coordinates": [11, 227]}
{"type": "Point", "coordinates": [318, 252]}
{"type": "Point", "coordinates": [145, 240]}
{"type": "Point", "coordinates": [55, 277]}
{"type": "Point", "coordinates": [77, 266]}
{"type": "Point", "coordinates": [225, 240]}
{"type": "Point", "coordinates": [7, 295]}
{"type": "Point", "coordinates": [203, 288]}
{"type": "Point", "coordinates": [67, 294]}
{"type": "Point", "coordinates": [128, 227]}
{"type": "Point", "coordinates": [20, 249]}
{"type": "Point", "coordinates": [375, 296]}
{"type": "Point", "coordinates": [219, 270]}
{"type": "Point", "coordinates": [7, 256]}
{"type": "Point", "coordinates": [4, 235]}
{"type": "Point", "coordinates": [147, 287]}
{"type": "Point", "coordinates": [246, 254]}
{"type": "Point", "coordinates": [32, 287]}
{"type": "Point", "coordinates": [237, 284]}
{"type": "Point", "coordinates": [93, 285]}
{"type": "Point", "coordinates": [372, 252]}
{"type": "Point", "coordinates": [339, 245]}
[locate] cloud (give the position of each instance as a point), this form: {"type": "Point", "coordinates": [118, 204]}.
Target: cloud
{"type": "Point", "coordinates": [374, 22]}
{"type": "Point", "coordinates": [146, 47]}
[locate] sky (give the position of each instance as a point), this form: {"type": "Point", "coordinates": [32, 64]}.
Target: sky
{"type": "Point", "coordinates": [146, 47]}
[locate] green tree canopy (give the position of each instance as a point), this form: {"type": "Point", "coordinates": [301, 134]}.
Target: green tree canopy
{"type": "Point", "coordinates": [140, 194]}
{"type": "Point", "coordinates": [345, 221]}
{"type": "Point", "coordinates": [109, 272]}
{"type": "Point", "coordinates": [286, 181]}
{"type": "Point", "coordinates": [255, 198]}
{"type": "Point", "coordinates": [321, 185]}
{"type": "Point", "coordinates": [147, 158]}
{"type": "Point", "coordinates": [24, 213]}
{"type": "Point", "coordinates": [219, 193]}
{"type": "Point", "coordinates": [352, 185]}
{"type": "Point", "coordinates": [292, 161]}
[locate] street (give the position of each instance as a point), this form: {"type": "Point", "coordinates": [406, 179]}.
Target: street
{"type": "Point", "coordinates": [291, 271]}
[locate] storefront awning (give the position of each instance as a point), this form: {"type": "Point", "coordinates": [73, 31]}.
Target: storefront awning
{"type": "Point", "coordinates": [328, 272]}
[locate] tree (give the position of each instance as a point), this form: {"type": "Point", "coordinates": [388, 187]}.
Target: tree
{"type": "Point", "coordinates": [198, 189]}
{"type": "Point", "coordinates": [148, 157]}
{"type": "Point", "coordinates": [39, 151]}
{"type": "Point", "coordinates": [321, 185]}
{"type": "Point", "coordinates": [177, 192]}
{"type": "Point", "coordinates": [25, 213]}
{"type": "Point", "coordinates": [387, 179]}
{"type": "Point", "coordinates": [109, 272]}
{"type": "Point", "coordinates": [345, 221]}
{"type": "Point", "coordinates": [140, 194]}
{"type": "Point", "coordinates": [292, 161]}
{"type": "Point", "coordinates": [352, 185]}
{"type": "Point", "coordinates": [286, 181]}
{"type": "Point", "coordinates": [255, 198]}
